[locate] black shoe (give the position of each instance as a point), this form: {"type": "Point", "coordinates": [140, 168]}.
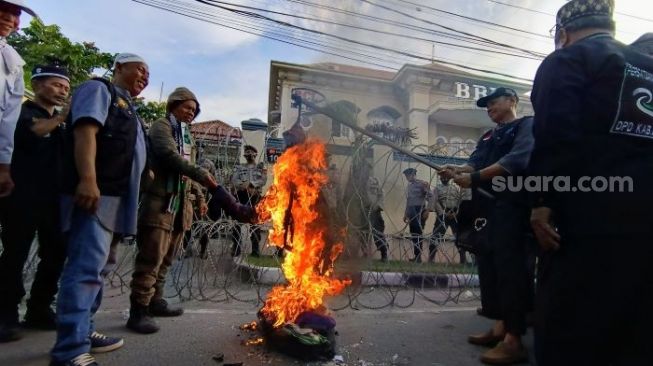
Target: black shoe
{"type": "Point", "coordinates": [85, 359]}
{"type": "Point", "coordinates": [103, 344]}
{"type": "Point", "coordinates": [43, 319]}
{"type": "Point", "coordinates": [161, 308]}
{"type": "Point", "coordinates": [140, 320]}
{"type": "Point", "coordinates": [10, 331]}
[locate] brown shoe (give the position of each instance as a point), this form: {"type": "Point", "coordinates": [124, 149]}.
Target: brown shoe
{"type": "Point", "coordinates": [505, 355]}
{"type": "Point", "coordinates": [488, 339]}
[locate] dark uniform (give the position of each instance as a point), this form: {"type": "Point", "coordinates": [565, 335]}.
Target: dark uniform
{"type": "Point", "coordinates": [594, 118]}
{"type": "Point", "coordinates": [503, 258]}
{"type": "Point", "coordinates": [32, 207]}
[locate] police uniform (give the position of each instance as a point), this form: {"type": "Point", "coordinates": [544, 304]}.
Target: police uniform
{"type": "Point", "coordinates": [252, 176]}
{"type": "Point", "coordinates": [374, 207]}
{"type": "Point", "coordinates": [506, 284]}
{"type": "Point", "coordinates": [418, 194]}
{"type": "Point", "coordinates": [33, 207]}
{"type": "Point", "coordinates": [594, 118]}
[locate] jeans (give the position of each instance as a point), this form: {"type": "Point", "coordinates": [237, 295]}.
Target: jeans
{"type": "Point", "coordinates": [80, 290]}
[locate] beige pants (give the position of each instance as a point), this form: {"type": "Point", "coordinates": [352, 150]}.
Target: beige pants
{"type": "Point", "coordinates": [157, 248]}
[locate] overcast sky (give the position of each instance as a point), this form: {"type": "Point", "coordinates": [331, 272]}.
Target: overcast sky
{"type": "Point", "coordinates": [229, 70]}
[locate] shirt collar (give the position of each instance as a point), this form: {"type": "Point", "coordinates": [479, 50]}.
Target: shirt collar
{"type": "Point", "coordinates": [34, 105]}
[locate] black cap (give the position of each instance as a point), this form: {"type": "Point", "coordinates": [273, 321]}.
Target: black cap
{"type": "Point", "coordinates": [41, 71]}
{"type": "Point", "coordinates": [576, 9]}
{"type": "Point", "coordinates": [410, 171]}
{"type": "Point", "coordinates": [499, 92]}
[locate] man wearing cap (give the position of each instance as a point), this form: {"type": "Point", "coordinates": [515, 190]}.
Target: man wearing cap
{"type": "Point", "coordinates": [105, 156]}
{"type": "Point", "coordinates": [506, 285]}
{"type": "Point", "coordinates": [167, 211]}
{"type": "Point", "coordinates": [593, 120]}
{"type": "Point", "coordinates": [34, 205]}
{"type": "Point", "coordinates": [248, 180]}
{"type": "Point", "coordinates": [12, 87]}
{"type": "Point", "coordinates": [418, 197]}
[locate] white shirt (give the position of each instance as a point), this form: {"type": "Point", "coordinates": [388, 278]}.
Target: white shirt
{"type": "Point", "coordinates": [12, 89]}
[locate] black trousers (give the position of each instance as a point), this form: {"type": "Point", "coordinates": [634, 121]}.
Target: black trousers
{"type": "Point", "coordinates": [506, 267]}
{"type": "Point", "coordinates": [416, 226]}
{"type": "Point", "coordinates": [21, 221]}
{"type": "Point", "coordinates": [594, 303]}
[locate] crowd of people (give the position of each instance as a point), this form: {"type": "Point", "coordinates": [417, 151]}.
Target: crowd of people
{"type": "Point", "coordinates": [593, 106]}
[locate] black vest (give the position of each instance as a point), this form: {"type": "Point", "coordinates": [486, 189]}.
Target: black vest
{"type": "Point", "coordinates": [493, 146]}
{"type": "Point", "coordinates": [116, 142]}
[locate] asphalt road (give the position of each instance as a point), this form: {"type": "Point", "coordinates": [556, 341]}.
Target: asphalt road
{"type": "Point", "coordinates": [423, 334]}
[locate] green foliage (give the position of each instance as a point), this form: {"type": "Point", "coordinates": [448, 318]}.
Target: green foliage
{"type": "Point", "coordinates": [40, 43]}
{"type": "Point", "coordinates": [150, 111]}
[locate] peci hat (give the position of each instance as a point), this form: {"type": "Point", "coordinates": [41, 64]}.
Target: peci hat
{"type": "Point", "coordinates": [52, 70]}
{"type": "Point", "coordinates": [125, 58]}
{"type": "Point", "coordinates": [410, 171]}
{"type": "Point", "coordinates": [498, 92]}
{"type": "Point", "coordinates": [21, 5]}
{"type": "Point", "coordinates": [577, 9]}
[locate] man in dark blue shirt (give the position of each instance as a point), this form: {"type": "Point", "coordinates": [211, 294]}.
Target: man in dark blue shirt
{"type": "Point", "coordinates": [506, 284]}
{"type": "Point", "coordinates": [594, 122]}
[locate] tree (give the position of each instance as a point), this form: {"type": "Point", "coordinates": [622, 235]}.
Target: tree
{"type": "Point", "coordinates": [150, 111]}
{"type": "Point", "coordinates": [40, 43]}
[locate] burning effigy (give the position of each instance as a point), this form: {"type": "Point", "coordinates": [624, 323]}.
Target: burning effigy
{"type": "Point", "coordinates": [294, 319]}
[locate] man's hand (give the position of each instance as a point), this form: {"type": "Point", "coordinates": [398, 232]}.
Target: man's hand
{"type": "Point", "coordinates": [464, 180]}
{"type": "Point", "coordinates": [87, 195]}
{"type": "Point", "coordinates": [6, 183]}
{"type": "Point", "coordinates": [203, 209]}
{"type": "Point", "coordinates": [448, 171]}
{"type": "Point", "coordinates": [406, 219]}
{"type": "Point", "coordinates": [546, 235]}
{"type": "Point", "coordinates": [209, 181]}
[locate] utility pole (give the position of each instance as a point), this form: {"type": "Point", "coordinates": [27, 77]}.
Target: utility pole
{"type": "Point", "coordinates": [161, 93]}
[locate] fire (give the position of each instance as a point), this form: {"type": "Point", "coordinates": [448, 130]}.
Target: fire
{"type": "Point", "coordinates": [300, 224]}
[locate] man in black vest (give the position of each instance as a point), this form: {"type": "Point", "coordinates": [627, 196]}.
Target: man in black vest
{"type": "Point", "coordinates": [594, 123]}
{"type": "Point", "coordinates": [105, 157]}
{"type": "Point", "coordinates": [34, 206]}
{"type": "Point", "coordinates": [506, 286]}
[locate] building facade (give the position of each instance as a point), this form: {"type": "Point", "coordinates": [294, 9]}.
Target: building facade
{"type": "Point", "coordinates": [437, 104]}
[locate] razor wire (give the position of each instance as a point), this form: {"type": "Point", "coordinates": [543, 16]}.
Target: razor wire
{"type": "Point", "coordinates": [205, 270]}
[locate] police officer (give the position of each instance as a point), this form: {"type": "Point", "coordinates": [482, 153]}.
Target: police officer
{"type": "Point", "coordinates": [594, 119]}
{"type": "Point", "coordinates": [34, 205]}
{"type": "Point", "coordinates": [374, 208]}
{"type": "Point", "coordinates": [502, 259]}
{"type": "Point", "coordinates": [418, 196]}
{"type": "Point", "coordinates": [248, 180]}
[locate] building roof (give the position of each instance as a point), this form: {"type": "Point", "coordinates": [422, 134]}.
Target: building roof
{"type": "Point", "coordinates": [215, 130]}
{"type": "Point", "coordinates": [355, 70]}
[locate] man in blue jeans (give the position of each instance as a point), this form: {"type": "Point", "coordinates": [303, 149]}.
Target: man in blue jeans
{"type": "Point", "coordinates": [105, 157]}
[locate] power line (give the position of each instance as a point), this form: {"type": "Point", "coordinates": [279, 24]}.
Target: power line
{"type": "Point", "coordinates": [452, 29]}
{"type": "Point", "coordinates": [473, 19]}
{"type": "Point", "coordinates": [181, 8]}
{"type": "Point", "coordinates": [430, 41]}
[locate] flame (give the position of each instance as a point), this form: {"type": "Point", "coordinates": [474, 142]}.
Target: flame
{"type": "Point", "coordinates": [312, 243]}
{"type": "Point", "coordinates": [253, 341]}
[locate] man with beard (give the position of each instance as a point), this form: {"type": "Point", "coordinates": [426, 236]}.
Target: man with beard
{"type": "Point", "coordinates": [34, 205]}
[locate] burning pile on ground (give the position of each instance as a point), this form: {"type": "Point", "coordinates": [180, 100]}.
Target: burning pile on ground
{"type": "Point", "coordinates": [294, 318]}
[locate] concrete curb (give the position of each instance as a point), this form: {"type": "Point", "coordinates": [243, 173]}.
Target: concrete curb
{"type": "Point", "coordinates": [274, 276]}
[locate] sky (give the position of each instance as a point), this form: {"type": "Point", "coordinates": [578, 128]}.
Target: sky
{"type": "Point", "coordinates": [229, 70]}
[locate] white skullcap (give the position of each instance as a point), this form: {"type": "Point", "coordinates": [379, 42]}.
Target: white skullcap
{"type": "Point", "coordinates": [125, 58]}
